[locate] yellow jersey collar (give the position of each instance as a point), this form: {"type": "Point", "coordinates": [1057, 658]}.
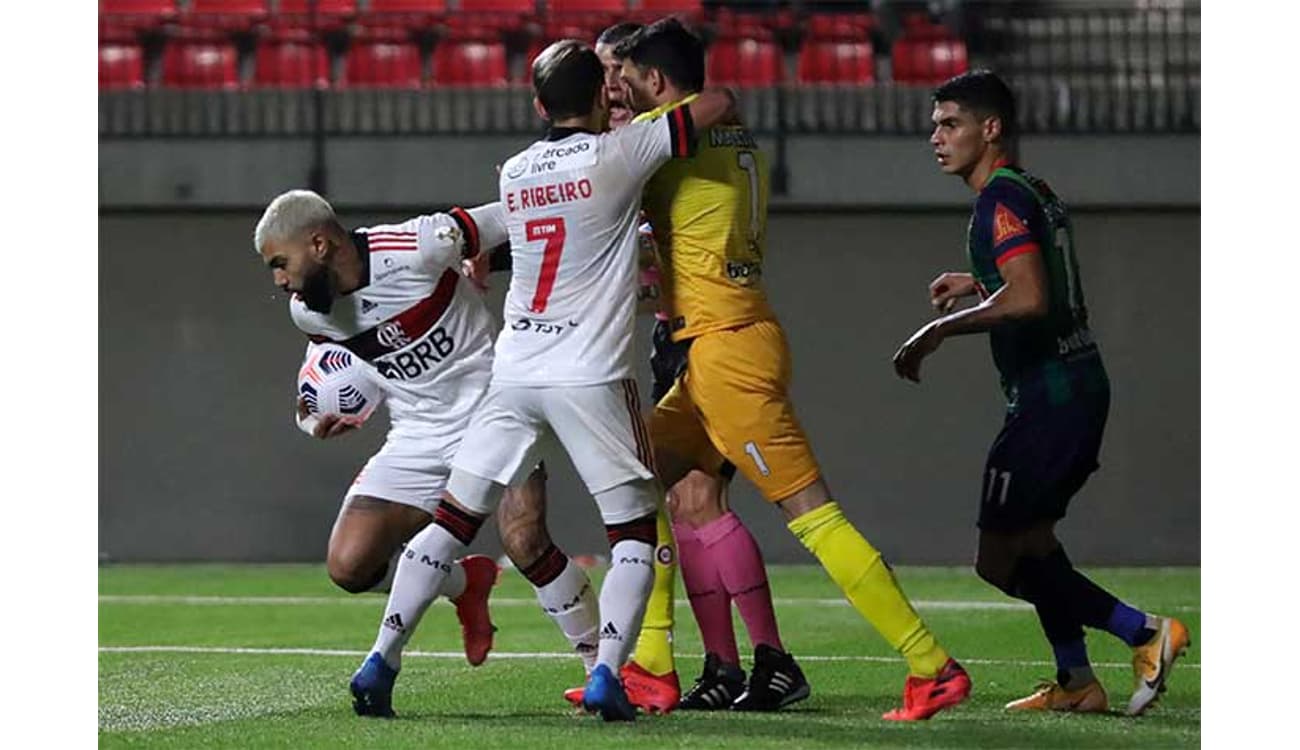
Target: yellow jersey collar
{"type": "Point", "coordinates": [665, 108]}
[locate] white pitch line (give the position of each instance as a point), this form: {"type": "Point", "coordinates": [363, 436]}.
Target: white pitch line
{"type": "Point", "coordinates": [935, 604]}
{"type": "Point", "coordinates": [548, 655]}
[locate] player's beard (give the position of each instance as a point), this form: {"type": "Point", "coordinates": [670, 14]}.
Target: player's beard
{"type": "Point", "coordinates": [317, 292]}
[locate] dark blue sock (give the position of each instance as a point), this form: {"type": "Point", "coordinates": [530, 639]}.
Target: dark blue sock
{"type": "Point", "coordinates": [1070, 654]}
{"type": "Point", "coordinates": [1128, 624]}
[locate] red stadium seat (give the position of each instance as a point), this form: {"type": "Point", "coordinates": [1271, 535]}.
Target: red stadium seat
{"type": "Point", "coordinates": [121, 66]}
{"type": "Point", "coordinates": [928, 60]}
{"type": "Point", "coordinates": [473, 63]}
{"type": "Point", "coordinates": [138, 7]}
{"type": "Point", "coordinates": [745, 62]}
{"type": "Point", "coordinates": [382, 64]}
{"type": "Point", "coordinates": [230, 7]}
{"type": "Point", "coordinates": [201, 65]}
{"type": "Point", "coordinates": [325, 9]}
{"type": "Point", "coordinates": [672, 7]}
{"type": "Point", "coordinates": [132, 16]}
{"type": "Point", "coordinates": [482, 19]}
{"type": "Point", "coordinates": [754, 25]}
{"type": "Point", "coordinates": [609, 7]}
{"type": "Point", "coordinates": [527, 7]}
{"type": "Point", "coordinates": [292, 63]}
{"type": "Point", "coordinates": [840, 26]}
{"type": "Point", "coordinates": [213, 19]}
{"type": "Point", "coordinates": [432, 7]}
{"type": "Point", "coordinates": [823, 61]}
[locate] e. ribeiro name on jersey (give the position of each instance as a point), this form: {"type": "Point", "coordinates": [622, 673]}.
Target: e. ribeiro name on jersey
{"type": "Point", "coordinates": [417, 322]}
{"type": "Point", "coordinates": [571, 204]}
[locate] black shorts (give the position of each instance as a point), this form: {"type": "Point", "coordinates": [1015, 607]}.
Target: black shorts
{"type": "Point", "coordinates": [1040, 459]}
{"type": "Point", "coordinates": [667, 363]}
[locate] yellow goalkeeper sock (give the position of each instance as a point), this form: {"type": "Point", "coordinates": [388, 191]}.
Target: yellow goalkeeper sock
{"type": "Point", "coordinates": [654, 647]}
{"type": "Point", "coordinates": [860, 572]}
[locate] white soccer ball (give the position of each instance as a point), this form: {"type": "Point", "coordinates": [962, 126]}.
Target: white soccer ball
{"type": "Point", "coordinates": [333, 380]}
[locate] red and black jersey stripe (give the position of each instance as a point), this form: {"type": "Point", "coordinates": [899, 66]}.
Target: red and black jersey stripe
{"type": "Point", "coordinates": [469, 229]}
{"type": "Point", "coordinates": [414, 321]}
{"type": "Point", "coordinates": [681, 131]}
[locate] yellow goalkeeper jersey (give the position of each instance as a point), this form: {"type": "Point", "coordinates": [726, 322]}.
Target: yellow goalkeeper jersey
{"type": "Point", "coordinates": [709, 217]}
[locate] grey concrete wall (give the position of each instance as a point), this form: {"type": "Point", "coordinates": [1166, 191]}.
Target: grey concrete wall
{"type": "Point", "coordinates": [844, 171]}
{"type": "Point", "coordinates": [199, 457]}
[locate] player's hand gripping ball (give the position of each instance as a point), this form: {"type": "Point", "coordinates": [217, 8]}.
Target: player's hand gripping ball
{"type": "Point", "coordinates": [334, 382]}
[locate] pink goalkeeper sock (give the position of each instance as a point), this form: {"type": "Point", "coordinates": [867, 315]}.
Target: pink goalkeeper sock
{"type": "Point", "coordinates": [739, 564]}
{"type": "Point", "coordinates": [708, 596]}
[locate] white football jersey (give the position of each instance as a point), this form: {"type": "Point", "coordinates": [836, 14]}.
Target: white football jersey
{"type": "Point", "coordinates": [571, 204]}
{"type": "Point", "coordinates": [423, 327]}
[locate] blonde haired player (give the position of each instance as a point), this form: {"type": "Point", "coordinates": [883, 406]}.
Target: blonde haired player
{"type": "Point", "coordinates": [393, 295]}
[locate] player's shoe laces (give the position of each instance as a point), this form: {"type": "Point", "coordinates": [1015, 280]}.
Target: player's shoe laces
{"type": "Point", "coordinates": [476, 626]}
{"type": "Point", "coordinates": [1153, 660]}
{"type": "Point", "coordinates": [775, 682]}
{"type": "Point", "coordinates": [1050, 696]}
{"type": "Point", "coordinates": [372, 688]}
{"type": "Point", "coordinates": [604, 694]}
{"type": "Point", "coordinates": [717, 687]}
{"type": "Point", "coordinates": [655, 694]}
{"type": "Point", "coordinates": [924, 697]}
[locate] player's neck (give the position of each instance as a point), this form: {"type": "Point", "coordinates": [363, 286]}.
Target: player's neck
{"type": "Point", "coordinates": [589, 123]}
{"type": "Point", "coordinates": [672, 95]}
{"type": "Point", "coordinates": [349, 269]}
{"type": "Point", "coordinates": [992, 160]}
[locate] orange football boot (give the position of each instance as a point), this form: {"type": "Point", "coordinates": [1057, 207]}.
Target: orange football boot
{"type": "Point", "coordinates": [1153, 660]}
{"type": "Point", "coordinates": [1089, 699]}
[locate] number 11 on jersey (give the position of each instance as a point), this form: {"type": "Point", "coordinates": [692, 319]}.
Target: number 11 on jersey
{"type": "Point", "coordinates": [550, 231]}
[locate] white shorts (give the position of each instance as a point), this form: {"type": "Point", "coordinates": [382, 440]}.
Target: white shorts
{"type": "Point", "coordinates": [600, 427]}
{"type": "Point", "coordinates": [410, 469]}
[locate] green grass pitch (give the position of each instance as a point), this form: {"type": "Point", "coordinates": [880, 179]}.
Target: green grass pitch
{"type": "Point", "coordinates": [198, 656]}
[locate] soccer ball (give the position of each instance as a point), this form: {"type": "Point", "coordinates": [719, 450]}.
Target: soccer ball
{"type": "Point", "coordinates": [333, 380]}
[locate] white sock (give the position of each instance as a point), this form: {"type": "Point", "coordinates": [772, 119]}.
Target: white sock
{"type": "Point", "coordinates": [426, 570]}
{"type": "Point", "coordinates": [623, 600]}
{"type": "Point", "coordinates": [570, 601]}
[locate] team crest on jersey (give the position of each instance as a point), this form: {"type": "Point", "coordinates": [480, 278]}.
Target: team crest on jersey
{"type": "Point", "coordinates": [392, 335]}
{"type": "Point", "coordinates": [1006, 225]}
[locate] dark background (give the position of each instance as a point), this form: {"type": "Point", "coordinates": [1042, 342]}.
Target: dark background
{"type": "Point", "coordinates": [200, 459]}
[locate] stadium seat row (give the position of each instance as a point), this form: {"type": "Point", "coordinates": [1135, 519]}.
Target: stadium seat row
{"type": "Point", "coordinates": [305, 62]}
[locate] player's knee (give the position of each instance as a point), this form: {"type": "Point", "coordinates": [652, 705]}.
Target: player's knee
{"type": "Point", "coordinates": [355, 573]}
{"type": "Point", "coordinates": [696, 500]}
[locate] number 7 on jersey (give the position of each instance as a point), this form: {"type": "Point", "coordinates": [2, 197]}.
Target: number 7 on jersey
{"type": "Point", "coordinates": [551, 231]}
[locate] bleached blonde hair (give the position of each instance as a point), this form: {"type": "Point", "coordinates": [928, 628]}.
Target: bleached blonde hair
{"type": "Point", "coordinates": [290, 214]}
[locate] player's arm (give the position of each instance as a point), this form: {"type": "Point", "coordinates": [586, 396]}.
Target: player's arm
{"type": "Point", "coordinates": [950, 287]}
{"type": "Point", "coordinates": [1022, 297]}
{"type": "Point", "coordinates": [1024, 293]}
{"type": "Point", "coordinates": [713, 106]}
{"type": "Point", "coordinates": [651, 140]}
{"type": "Point", "coordinates": [445, 240]}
